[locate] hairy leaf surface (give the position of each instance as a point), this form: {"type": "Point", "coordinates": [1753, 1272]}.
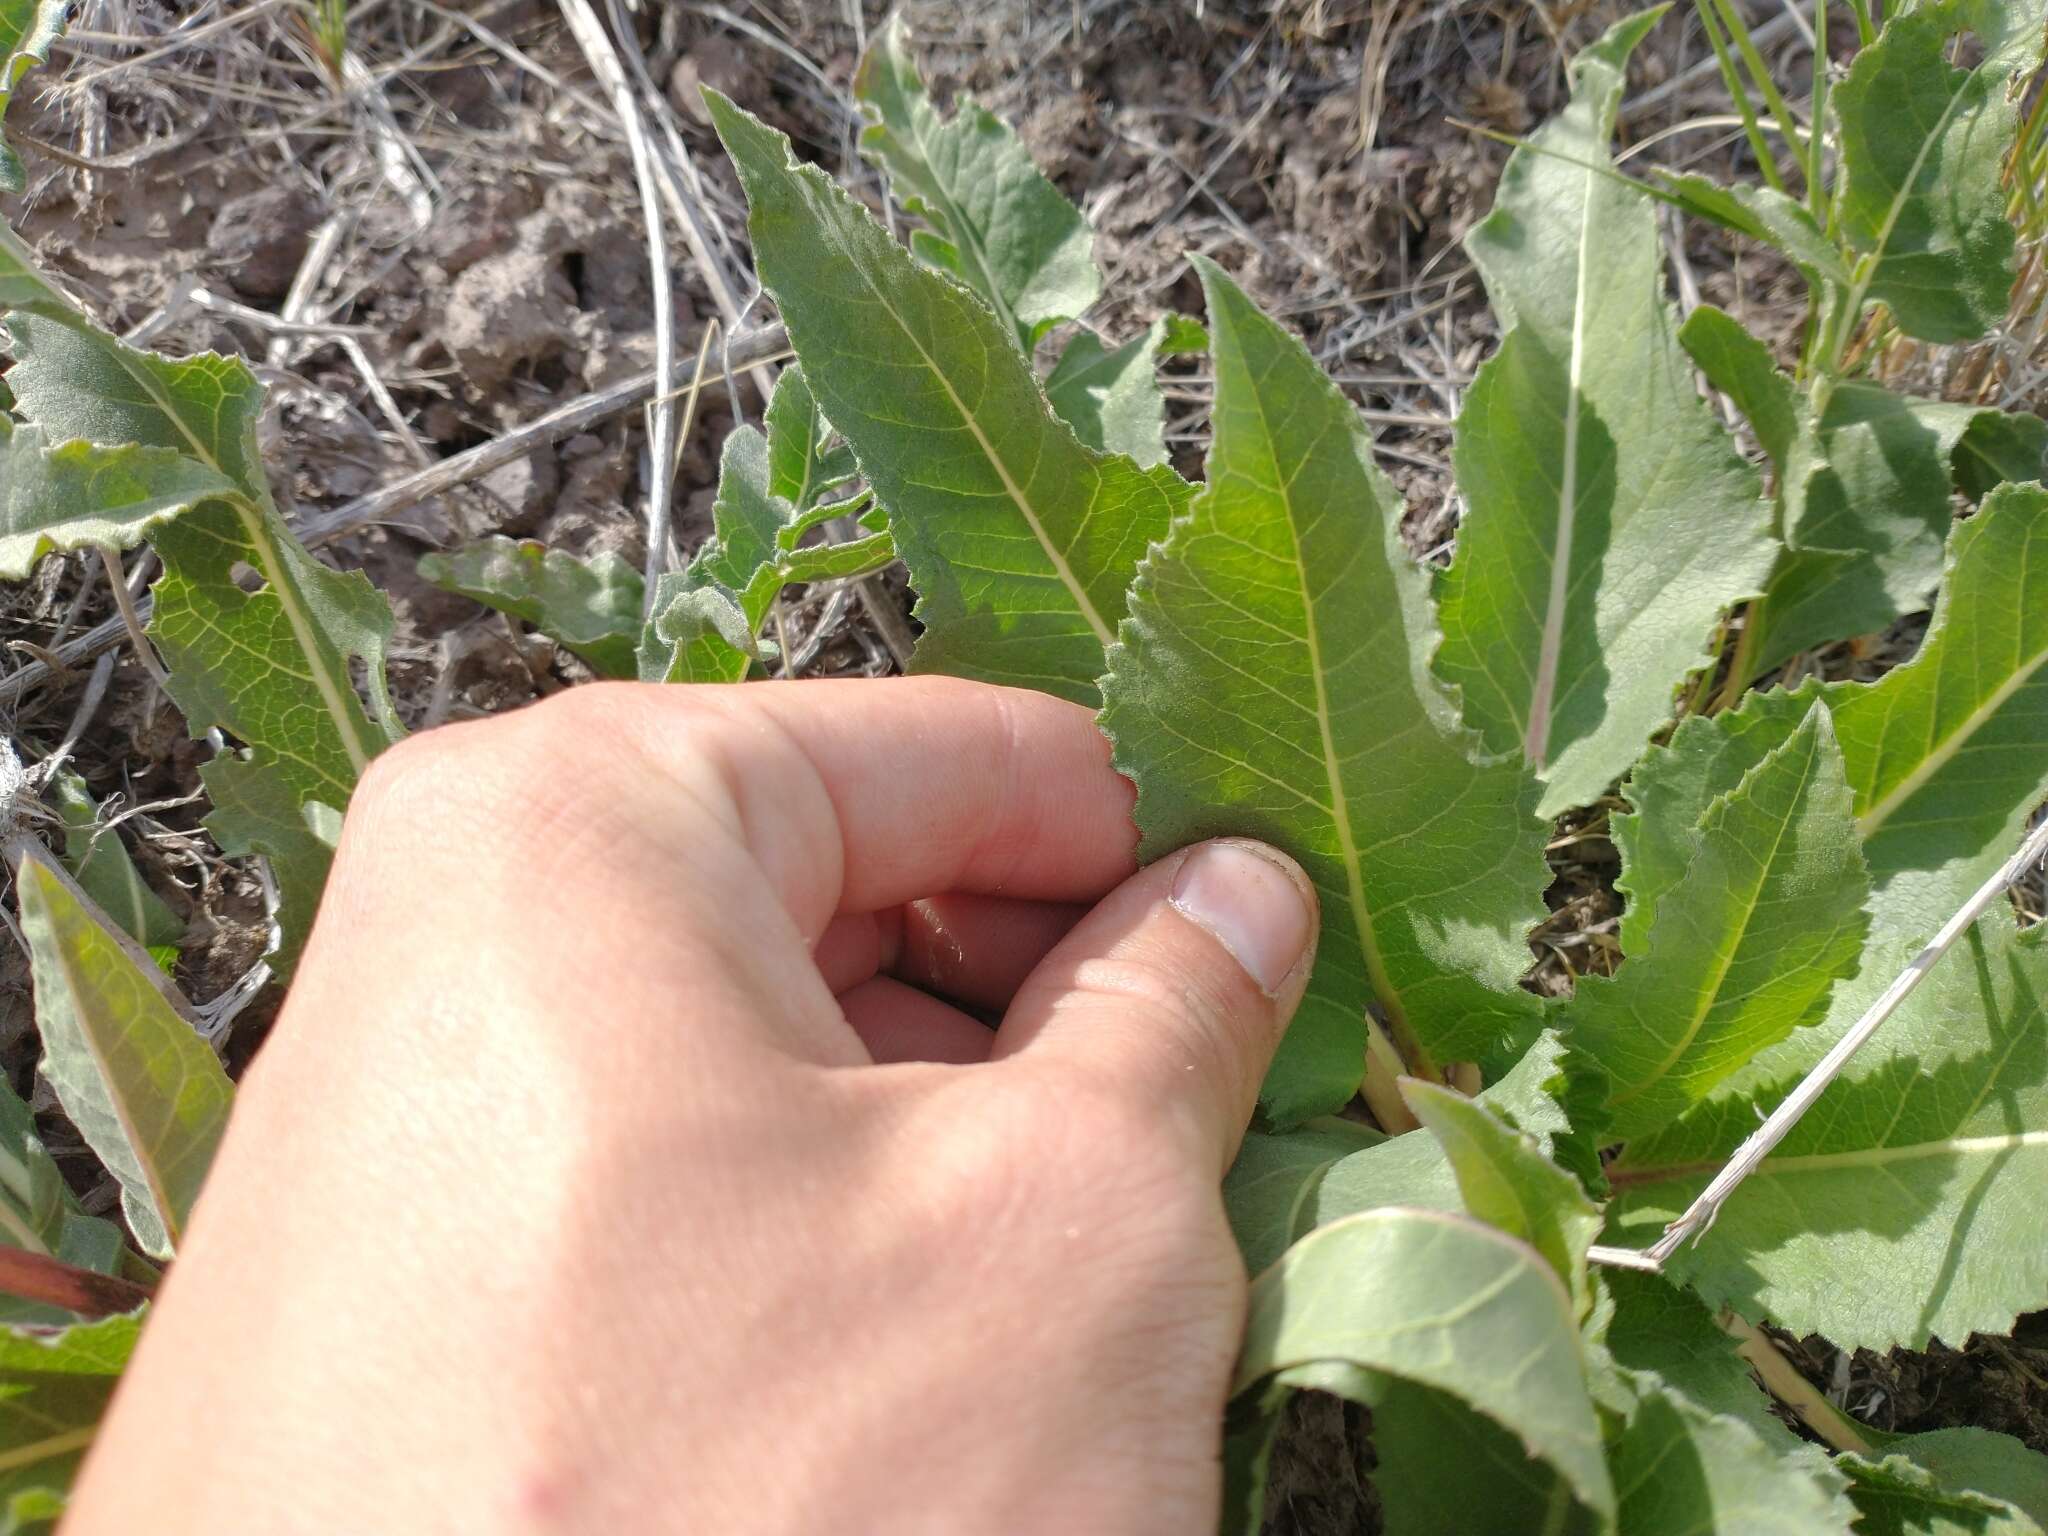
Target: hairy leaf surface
{"type": "Point", "coordinates": [1019, 539]}
{"type": "Point", "coordinates": [1265, 686]}
{"type": "Point", "coordinates": [78, 495]}
{"type": "Point", "coordinates": [144, 1090]}
{"type": "Point", "coordinates": [1444, 1302]}
{"type": "Point", "coordinates": [1609, 518]}
{"type": "Point", "coordinates": [1905, 1204]}
{"type": "Point", "coordinates": [1001, 227]}
{"type": "Point", "coordinates": [590, 606]}
{"type": "Point", "coordinates": [1745, 950]}
{"type": "Point", "coordinates": [1899, 1497]}
{"type": "Point", "coordinates": [54, 1390]}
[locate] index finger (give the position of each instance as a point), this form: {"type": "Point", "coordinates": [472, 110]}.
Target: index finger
{"type": "Point", "coordinates": [856, 795]}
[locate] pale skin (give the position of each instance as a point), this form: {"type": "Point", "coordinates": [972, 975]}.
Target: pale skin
{"type": "Point", "coordinates": [630, 1157]}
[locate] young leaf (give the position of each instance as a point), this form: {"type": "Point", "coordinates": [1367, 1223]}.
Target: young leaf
{"type": "Point", "coordinates": [144, 1090]}
{"type": "Point", "coordinates": [1742, 952]}
{"type": "Point", "coordinates": [1019, 540]}
{"type": "Point", "coordinates": [54, 1390]}
{"type": "Point", "coordinates": [590, 606]}
{"type": "Point", "coordinates": [1982, 1463]}
{"type": "Point", "coordinates": [1904, 1206]}
{"type": "Point", "coordinates": [1269, 684]}
{"type": "Point", "coordinates": [1441, 1301]}
{"type": "Point", "coordinates": [28, 28]}
{"type": "Point", "coordinates": [1923, 146]}
{"type": "Point", "coordinates": [696, 635]}
{"type": "Point", "coordinates": [1679, 1468]}
{"type": "Point", "coordinates": [78, 495]}
{"type": "Point", "coordinates": [274, 667]}
{"type": "Point", "coordinates": [802, 465]}
{"type": "Point", "coordinates": [1000, 226]}
{"type": "Point", "coordinates": [100, 864]}
{"type": "Point", "coordinates": [1609, 519]}
{"type": "Point", "coordinates": [1765, 215]}
{"type": "Point", "coordinates": [1110, 396]}
{"type": "Point", "coordinates": [1505, 1180]}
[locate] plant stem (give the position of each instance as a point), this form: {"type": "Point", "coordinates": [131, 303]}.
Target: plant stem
{"type": "Point", "coordinates": [1732, 78]}
{"type": "Point", "coordinates": [53, 1283]}
{"type": "Point", "coordinates": [1785, 1383]}
{"type": "Point", "coordinates": [1381, 1089]}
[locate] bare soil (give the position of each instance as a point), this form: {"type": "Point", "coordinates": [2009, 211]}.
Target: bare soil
{"type": "Point", "coordinates": [460, 218]}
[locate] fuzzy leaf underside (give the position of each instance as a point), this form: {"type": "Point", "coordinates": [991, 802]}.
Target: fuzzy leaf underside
{"type": "Point", "coordinates": [1923, 146]}
{"type": "Point", "coordinates": [1905, 1204]}
{"type": "Point", "coordinates": [28, 30]}
{"type": "Point", "coordinates": [78, 495]}
{"type": "Point", "coordinates": [590, 606]}
{"type": "Point", "coordinates": [1110, 395]}
{"type": "Point", "coordinates": [1267, 684]}
{"type": "Point", "coordinates": [1446, 1303]}
{"type": "Point", "coordinates": [1609, 520]}
{"type": "Point", "coordinates": [54, 1390]}
{"type": "Point", "coordinates": [1001, 227]}
{"type": "Point", "coordinates": [146, 1093]}
{"type": "Point", "coordinates": [1020, 540]}
{"type": "Point", "coordinates": [1746, 946]}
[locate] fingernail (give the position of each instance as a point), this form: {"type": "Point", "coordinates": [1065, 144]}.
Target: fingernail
{"type": "Point", "coordinates": [1255, 906]}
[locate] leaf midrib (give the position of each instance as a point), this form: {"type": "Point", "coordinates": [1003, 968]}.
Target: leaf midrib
{"type": "Point", "coordinates": [48, 1448]}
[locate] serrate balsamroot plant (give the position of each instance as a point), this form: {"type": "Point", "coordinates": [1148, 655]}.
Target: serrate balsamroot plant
{"type": "Point", "coordinates": [1268, 659]}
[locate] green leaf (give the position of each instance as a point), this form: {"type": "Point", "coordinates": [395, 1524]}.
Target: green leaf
{"type": "Point", "coordinates": [79, 495]}
{"type": "Point", "coordinates": [1505, 1180]}
{"type": "Point", "coordinates": [1446, 1303]}
{"type": "Point", "coordinates": [1658, 1328]}
{"type": "Point", "coordinates": [1905, 1205]}
{"type": "Point", "coordinates": [1019, 539]}
{"type": "Point", "coordinates": [39, 1213]}
{"type": "Point", "coordinates": [1678, 1468]}
{"type": "Point", "coordinates": [54, 1390]}
{"type": "Point", "coordinates": [1609, 519]}
{"type": "Point", "coordinates": [1745, 949]}
{"type": "Point", "coordinates": [1765, 215]}
{"type": "Point", "coordinates": [1110, 397]}
{"type": "Point", "coordinates": [272, 667]}
{"type": "Point", "coordinates": [1269, 685]}
{"type": "Point", "coordinates": [802, 464]}
{"type": "Point", "coordinates": [1002, 228]}
{"type": "Point", "coordinates": [146, 1093]}
{"type": "Point", "coordinates": [590, 606]}
{"type": "Point", "coordinates": [1923, 146]}
{"type": "Point", "coordinates": [1444, 1469]}
{"type": "Point", "coordinates": [28, 28]}
{"type": "Point", "coordinates": [1984, 1462]}
{"type": "Point", "coordinates": [99, 862]}
{"type": "Point", "coordinates": [697, 635]}
{"type": "Point", "coordinates": [1284, 1185]}
{"type": "Point", "coordinates": [1898, 1497]}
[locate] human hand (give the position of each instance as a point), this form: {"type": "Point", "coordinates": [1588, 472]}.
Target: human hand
{"type": "Point", "coordinates": [625, 1160]}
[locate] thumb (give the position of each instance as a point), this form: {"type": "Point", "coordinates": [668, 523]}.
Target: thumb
{"type": "Point", "coordinates": [1177, 987]}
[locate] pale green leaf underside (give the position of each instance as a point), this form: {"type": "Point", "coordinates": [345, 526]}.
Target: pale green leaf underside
{"type": "Point", "coordinates": [54, 1390]}
{"type": "Point", "coordinates": [1984, 1463]}
{"type": "Point", "coordinates": [1267, 685]}
{"type": "Point", "coordinates": [144, 1090]}
{"type": "Point", "coordinates": [1003, 228]}
{"type": "Point", "coordinates": [1609, 520]}
{"type": "Point", "coordinates": [1745, 948]}
{"type": "Point", "coordinates": [1444, 1302]}
{"type": "Point", "coordinates": [1110, 395]}
{"type": "Point", "coordinates": [1020, 541]}
{"type": "Point", "coordinates": [78, 495]}
{"type": "Point", "coordinates": [591, 606]}
{"type": "Point", "coordinates": [28, 28]}
{"type": "Point", "coordinates": [1899, 1497]}
{"type": "Point", "coordinates": [1906, 1203]}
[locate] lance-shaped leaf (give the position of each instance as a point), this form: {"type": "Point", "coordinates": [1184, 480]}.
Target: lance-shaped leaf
{"type": "Point", "coordinates": [590, 606]}
{"type": "Point", "coordinates": [54, 1390]}
{"type": "Point", "coordinates": [1923, 199]}
{"type": "Point", "coordinates": [1765, 215]}
{"type": "Point", "coordinates": [1961, 1468]}
{"type": "Point", "coordinates": [28, 29]}
{"type": "Point", "coordinates": [78, 495]}
{"type": "Point", "coordinates": [1905, 1205]}
{"type": "Point", "coordinates": [1678, 1467]}
{"type": "Point", "coordinates": [1268, 684]}
{"type": "Point", "coordinates": [1284, 1185]}
{"type": "Point", "coordinates": [1505, 1180]}
{"type": "Point", "coordinates": [1446, 1303]}
{"type": "Point", "coordinates": [99, 862]}
{"type": "Point", "coordinates": [1745, 949]}
{"type": "Point", "coordinates": [272, 667]}
{"type": "Point", "coordinates": [1020, 540]}
{"type": "Point", "coordinates": [144, 1090]}
{"type": "Point", "coordinates": [998, 225]}
{"type": "Point", "coordinates": [1609, 519]}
